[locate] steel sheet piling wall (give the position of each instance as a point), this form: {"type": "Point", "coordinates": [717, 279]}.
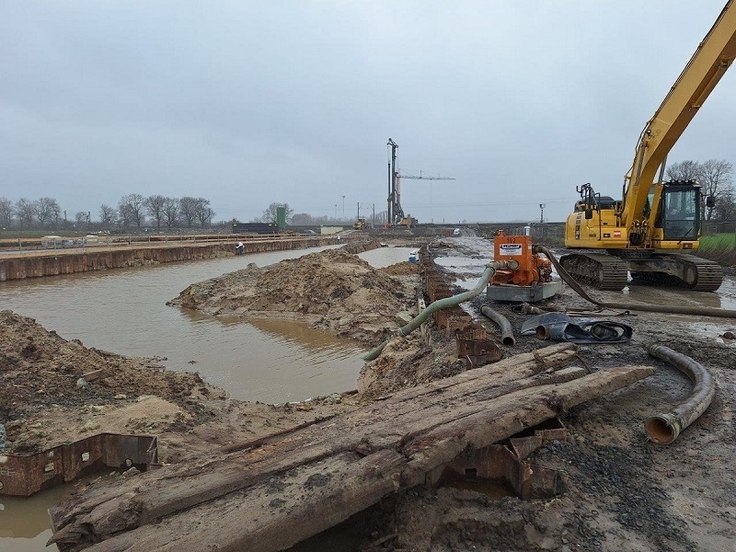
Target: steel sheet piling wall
{"type": "Point", "coordinates": [35, 264]}
{"type": "Point", "coordinates": [24, 475]}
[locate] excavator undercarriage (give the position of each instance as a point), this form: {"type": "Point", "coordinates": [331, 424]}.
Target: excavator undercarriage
{"type": "Point", "coordinates": [610, 270]}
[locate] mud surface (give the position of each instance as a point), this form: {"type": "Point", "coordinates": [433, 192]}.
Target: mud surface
{"type": "Point", "coordinates": [623, 492]}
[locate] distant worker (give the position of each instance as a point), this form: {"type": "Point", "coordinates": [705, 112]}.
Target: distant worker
{"type": "Point", "coordinates": [240, 248]}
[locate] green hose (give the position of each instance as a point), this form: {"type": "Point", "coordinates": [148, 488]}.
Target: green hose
{"type": "Point", "coordinates": [417, 321]}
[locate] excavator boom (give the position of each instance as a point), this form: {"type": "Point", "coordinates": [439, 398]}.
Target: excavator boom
{"type": "Point", "coordinates": [714, 55]}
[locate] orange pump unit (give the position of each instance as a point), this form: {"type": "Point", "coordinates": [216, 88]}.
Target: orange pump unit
{"type": "Point", "coordinates": [532, 269]}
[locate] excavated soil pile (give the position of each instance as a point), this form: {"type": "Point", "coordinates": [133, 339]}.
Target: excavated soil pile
{"type": "Point", "coordinates": [38, 366]}
{"type": "Point", "coordinates": [39, 369]}
{"type": "Point", "coordinates": [332, 290]}
{"type": "Point", "coordinates": [44, 403]}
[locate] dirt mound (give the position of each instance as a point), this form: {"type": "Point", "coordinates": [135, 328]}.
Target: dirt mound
{"type": "Point", "coordinates": [359, 247]}
{"type": "Point", "coordinates": [401, 269]}
{"type": "Point", "coordinates": [408, 362]}
{"type": "Point", "coordinates": [39, 369]}
{"type": "Point", "coordinates": [332, 290]}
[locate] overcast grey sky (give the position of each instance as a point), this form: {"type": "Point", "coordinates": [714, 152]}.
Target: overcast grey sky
{"type": "Point", "coordinates": [248, 103]}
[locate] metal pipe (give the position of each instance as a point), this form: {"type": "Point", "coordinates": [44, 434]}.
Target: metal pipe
{"type": "Point", "coordinates": [507, 332]}
{"type": "Point", "coordinates": [488, 273]}
{"type": "Point", "coordinates": [664, 428]}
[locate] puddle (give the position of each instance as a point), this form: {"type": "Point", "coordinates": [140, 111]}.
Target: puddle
{"type": "Point", "coordinates": [386, 256]}
{"type": "Point", "coordinates": [24, 522]}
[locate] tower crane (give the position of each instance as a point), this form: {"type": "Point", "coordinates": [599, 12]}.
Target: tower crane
{"type": "Point", "coordinates": [396, 214]}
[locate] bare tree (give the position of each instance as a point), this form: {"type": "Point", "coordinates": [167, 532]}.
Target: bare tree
{"type": "Point", "coordinates": [25, 212]}
{"type": "Point", "coordinates": [204, 211]}
{"type": "Point", "coordinates": [107, 215]}
{"type": "Point", "coordinates": [125, 215]}
{"type": "Point", "coordinates": [715, 178]}
{"type": "Point", "coordinates": [188, 209]}
{"type": "Point", "coordinates": [82, 220]}
{"type": "Point", "coordinates": [171, 211]}
{"type": "Point", "coordinates": [6, 213]}
{"type": "Point", "coordinates": [684, 170]}
{"type": "Point", "coordinates": [155, 208]}
{"type": "Point", "coordinates": [725, 209]}
{"type": "Point", "coordinates": [269, 215]}
{"type": "Point", "coordinates": [130, 208]}
{"type": "Point", "coordinates": [47, 210]}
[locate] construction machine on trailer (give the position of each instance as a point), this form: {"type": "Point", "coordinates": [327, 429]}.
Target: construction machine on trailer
{"type": "Point", "coordinates": [653, 229]}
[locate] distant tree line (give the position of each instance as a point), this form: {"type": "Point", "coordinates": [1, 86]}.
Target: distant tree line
{"type": "Point", "coordinates": [716, 181]}
{"type": "Point", "coordinates": [133, 211]}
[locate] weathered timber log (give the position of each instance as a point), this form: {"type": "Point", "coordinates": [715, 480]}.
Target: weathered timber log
{"type": "Point", "coordinates": [231, 515]}
{"type": "Point", "coordinates": [171, 489]}
{"type": "Point", "coordinates": [420, 409]}
{"type": "Point", "coordinates": [273, 514]}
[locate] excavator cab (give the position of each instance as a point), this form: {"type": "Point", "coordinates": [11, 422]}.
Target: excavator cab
{"type": "Point", "coordinates": [679, 212]}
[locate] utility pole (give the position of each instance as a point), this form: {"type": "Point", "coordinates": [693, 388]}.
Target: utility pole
{"type": "Point", "coordinates": [393, 193]}
{"type": "Point", "coordinates": [343, 207]}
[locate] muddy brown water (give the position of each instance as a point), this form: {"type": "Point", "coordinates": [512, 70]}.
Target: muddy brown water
{"type": "Point", "coordinates": [125, 312]}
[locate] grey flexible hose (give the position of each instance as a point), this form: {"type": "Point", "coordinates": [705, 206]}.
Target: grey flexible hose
{"type": "Point", "coordinates": [664, 428]}
{"type": "Point", "coordinates": [507, 332]}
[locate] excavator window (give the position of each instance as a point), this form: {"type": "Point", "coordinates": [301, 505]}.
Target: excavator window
{"type": "Point", "coordinates": [681, 213]}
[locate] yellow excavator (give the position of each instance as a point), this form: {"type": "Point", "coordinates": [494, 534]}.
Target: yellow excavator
{"type": "Point", "coordinates": [653, 229]}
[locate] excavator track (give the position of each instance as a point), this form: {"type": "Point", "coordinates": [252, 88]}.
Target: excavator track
{"type": "Point", "coordinates": [597, 269]}
{"type": "Point", "coordinates": [691, 272]}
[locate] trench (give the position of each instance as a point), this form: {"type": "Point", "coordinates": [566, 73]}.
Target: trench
{"type": "Point", "coordinates": [124, 311]}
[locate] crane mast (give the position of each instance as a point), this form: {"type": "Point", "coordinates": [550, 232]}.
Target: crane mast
{"type": "Point", "coordinates": [395, 211]}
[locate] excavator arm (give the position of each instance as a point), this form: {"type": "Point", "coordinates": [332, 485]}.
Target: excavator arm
{"type": "Point", "coordinates": [708, 64]}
